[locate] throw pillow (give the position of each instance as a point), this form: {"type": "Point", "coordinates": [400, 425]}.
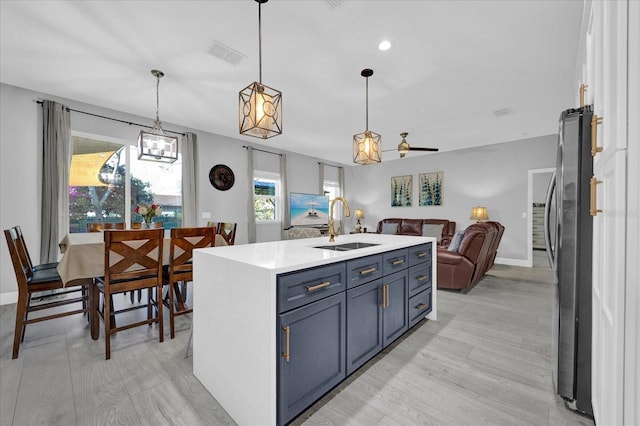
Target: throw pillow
{"type": "Point", "coordinates": [432, 230]}
{"type": "Point", "coordinates": [389, 228]}
{"type": "Point", "coordinates": [456, 241]}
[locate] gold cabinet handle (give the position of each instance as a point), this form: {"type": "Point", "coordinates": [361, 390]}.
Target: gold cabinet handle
{"type": "Point", "coordinates": [319, 286]}
{"type": "Point", "coordinates": [583, 88]}
{"type": "Point", "coordinates": [286, 354]}
{"type": "Point", "coordinates": [367, 271]}
{"type": "Point", "coordinates": [386, 289]}
{"type": "Point", "coordinates": [398, 262]}
{"type": "Point", "coordinates": [384, 297]}
{"type": "Point", "coordinates": [593, 205]}
{"type": "Point", "coordinates": [422, 306]}
{"type": "Point", "coordinates": [422, 254]}
{"type": "Point", "coordinates": [421, 278]}
{"type": "Point", "coordinates": [595, 120]}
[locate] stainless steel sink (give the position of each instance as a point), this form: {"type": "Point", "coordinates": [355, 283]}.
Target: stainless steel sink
{"type": "Point", "coordinates": [347, 246]}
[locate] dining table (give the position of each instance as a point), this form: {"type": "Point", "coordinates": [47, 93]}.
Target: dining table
{"type": "Point", "coordinates": [83, 257]}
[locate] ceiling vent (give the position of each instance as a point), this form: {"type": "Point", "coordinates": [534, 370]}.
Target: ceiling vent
{"type": "Point", "coordinates": [226, 53]}
{"type": "Point", "coordinates": [502, 112]}
{"type": "Point", "coordinates": [334, 3]}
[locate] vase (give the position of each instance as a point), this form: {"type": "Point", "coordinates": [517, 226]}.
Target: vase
{"type": "Point", "coordinates": [146, 224]}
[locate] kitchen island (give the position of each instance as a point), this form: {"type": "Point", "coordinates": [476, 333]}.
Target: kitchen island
{"type": "Point", "coordinates": [278, 324]}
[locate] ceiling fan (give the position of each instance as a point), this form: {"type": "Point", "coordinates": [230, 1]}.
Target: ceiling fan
{"type": "Point", "coordinates": [404, 147]}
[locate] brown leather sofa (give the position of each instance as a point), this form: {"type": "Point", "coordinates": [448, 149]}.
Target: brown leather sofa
{"type": "Point", "coordinates": [414, 227]}
{"type": "Point", "coordinates": [464, 268]}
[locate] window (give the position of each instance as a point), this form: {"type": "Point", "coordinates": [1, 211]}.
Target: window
{"type": "Point", "coordinates": [266, 189]}
{"type": "Point", "coordinates": [332, 190]}
{"type": "Point", "coordinates": [107, 181]}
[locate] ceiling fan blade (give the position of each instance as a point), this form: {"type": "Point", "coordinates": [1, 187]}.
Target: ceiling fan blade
{"type": "Point", "coordinates": [423, 149]}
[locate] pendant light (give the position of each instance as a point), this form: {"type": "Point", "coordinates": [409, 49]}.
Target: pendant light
{"type": "Point", "coordinates": [367, 146]}
{"type": "Point", "coordinates": [156, 145]}
{"type": "Point", "coordinates": [260, 105]}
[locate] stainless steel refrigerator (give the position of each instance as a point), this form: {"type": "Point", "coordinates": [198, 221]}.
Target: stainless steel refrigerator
{"type": "Point", "coordinates": [569, 240]}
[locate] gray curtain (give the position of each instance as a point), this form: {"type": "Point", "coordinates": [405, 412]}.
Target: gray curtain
{"type": "Point", "coordinates": [320, 177]}
{"type": "Point", "coordinates": [251, 205]}
{"type": "Point", "coordinates": [286, 217]}
{"type": "Point", "coordinates": [56, 161]}
{"type": "Point", "coordinates": [189, 182]}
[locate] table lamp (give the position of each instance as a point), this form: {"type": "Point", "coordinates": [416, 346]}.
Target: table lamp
{"type": "Point", "coordinates": [479, 214]}
{"type": "Point", "coordinates": [359, 215]}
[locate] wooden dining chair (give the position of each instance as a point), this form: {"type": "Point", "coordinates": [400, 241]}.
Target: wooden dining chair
{"type": "Point", "coordinates": [133, 261]}
{"type": "Point", "coordinates": [154, 225]}
{"type": "Point", "coordinates": [101, 226]}
{"type": "Point", "coordinates": [228, 231]}
{"type": "Point", "coordinates": [25, 257]}
{"type": "Point", "coordinates": [180, 269]}
{"type": "Point", "coordinates": [31, 281]}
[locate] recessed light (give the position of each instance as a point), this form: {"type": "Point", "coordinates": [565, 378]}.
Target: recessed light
{"type": "Point", "coordinates": [384, 45]}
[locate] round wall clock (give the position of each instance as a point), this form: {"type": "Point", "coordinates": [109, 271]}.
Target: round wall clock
{"type": "Point", "coordinates": [221, 177]}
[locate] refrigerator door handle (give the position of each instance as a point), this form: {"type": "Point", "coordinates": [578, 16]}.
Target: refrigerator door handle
{"type": "Point", "coordinates": [547, 222]}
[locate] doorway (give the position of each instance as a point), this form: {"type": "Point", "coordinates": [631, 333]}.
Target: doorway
{"type": "Point", "coordinates": [539, 180]}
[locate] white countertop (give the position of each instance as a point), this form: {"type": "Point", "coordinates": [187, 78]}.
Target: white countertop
{"type": "Point", "coordinates": [290, 255]}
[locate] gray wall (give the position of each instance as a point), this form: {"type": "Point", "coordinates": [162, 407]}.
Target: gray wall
{"type": "Point", "coordinates": [494, 176]}
{"type": "Point", "coordinates": [20, 171]}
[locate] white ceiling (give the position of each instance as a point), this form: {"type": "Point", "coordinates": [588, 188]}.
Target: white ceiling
{"type": "Point", "coordinates": [451, 64]}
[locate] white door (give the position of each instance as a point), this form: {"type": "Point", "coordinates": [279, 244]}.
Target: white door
{"type": "Point", "coordinates": [607, 72]}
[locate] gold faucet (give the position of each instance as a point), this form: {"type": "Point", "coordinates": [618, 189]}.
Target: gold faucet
{"type": "Point", "coordinates": [347, 212]}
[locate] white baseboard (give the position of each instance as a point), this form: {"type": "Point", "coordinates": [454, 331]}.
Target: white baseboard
{"type": "Point", "coordinates": [8, 298]}
{"type": "Point", "coordinates": [512, 262]}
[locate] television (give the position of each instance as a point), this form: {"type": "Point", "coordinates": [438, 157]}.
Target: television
{"type": "Point", "coordinates": [309, 209]}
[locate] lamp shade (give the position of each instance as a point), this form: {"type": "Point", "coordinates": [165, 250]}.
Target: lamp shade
{"type": "Point", "coordinates": [366, 148]}
{"type": "Point", "coordinates": [359, 214]}
{"type": "Point", "coordinates": [260, 111]}
{"type": "Point", "coordinates": [157, 146]}
{"type": "Point", "coordinates": [479, 214]}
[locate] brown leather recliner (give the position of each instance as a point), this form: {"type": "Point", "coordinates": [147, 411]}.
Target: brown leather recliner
{"type": "Point", "coordinates": [414, 227]}
{"type": "Point", "coordinates": [464, 268]}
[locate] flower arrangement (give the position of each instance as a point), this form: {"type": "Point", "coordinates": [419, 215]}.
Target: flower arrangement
{"type": "Point", "coordinates": [148, 211]}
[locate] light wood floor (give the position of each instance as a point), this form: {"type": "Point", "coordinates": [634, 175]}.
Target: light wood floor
{"type": "Point", "coordinates": [485, 361]}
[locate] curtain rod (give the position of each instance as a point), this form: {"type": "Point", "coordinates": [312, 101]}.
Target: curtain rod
{"type": "Point", "coordinates": [113, 119]}
{"type": "Point", "coordinates": [262, 150]}
{"type": "Point", "coordinates": [330, 165]}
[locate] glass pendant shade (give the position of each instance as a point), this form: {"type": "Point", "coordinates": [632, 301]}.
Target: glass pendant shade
{"type": "Point", "coordinates": [156, 145]}
{"type": "Point", "coordinates": [260, 111]}
{"type": "Point", "coordinates": [366, 148]}
{"type": "Point", "coordinates": [260, 106]}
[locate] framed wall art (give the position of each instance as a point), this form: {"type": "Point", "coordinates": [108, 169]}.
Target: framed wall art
{"type": "Point", "coordinates": [430, 189]}
{"type": "Point", "coordinates": [401, 191]}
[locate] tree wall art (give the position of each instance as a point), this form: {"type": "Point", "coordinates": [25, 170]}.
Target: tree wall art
{"type": "Point", "coordinates": [401, 191]}
{"type": "Point", "coordinates": [430, 189]}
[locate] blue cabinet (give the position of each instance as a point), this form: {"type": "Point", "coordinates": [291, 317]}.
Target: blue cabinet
{"type": "Point", "coordinates": [334, 318]}
{"type": "Point", "coordinates": [395, 319]}
{"type": "Point", "coordinates": [312, 354]}
{"type": "Point", "coordinates": [364, 323]}
{"type": "Point", "coordinates": [377, 314]}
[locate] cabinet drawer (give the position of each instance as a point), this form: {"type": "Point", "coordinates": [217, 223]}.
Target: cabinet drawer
{"type": "Point", "coordinates": [395, 260]}
{"type": "Point", "coordinates": [363, 270]}
{"type": "Point", "coordinates": [302, 287]}
{"type": "Point", "coordinates": [419, 306]}
{"type": "Point", "coordinates": [419, 254]}
{"type": "Point", "coordinates": [420, 278]}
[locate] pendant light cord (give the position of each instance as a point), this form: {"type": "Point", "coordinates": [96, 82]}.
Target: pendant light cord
{"type": "Point", "coordinates": [260, 41]}
{"type": "Point", "coordinates": [367, 103]}
{"type": "Point", "coordinates": [158, 99]}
